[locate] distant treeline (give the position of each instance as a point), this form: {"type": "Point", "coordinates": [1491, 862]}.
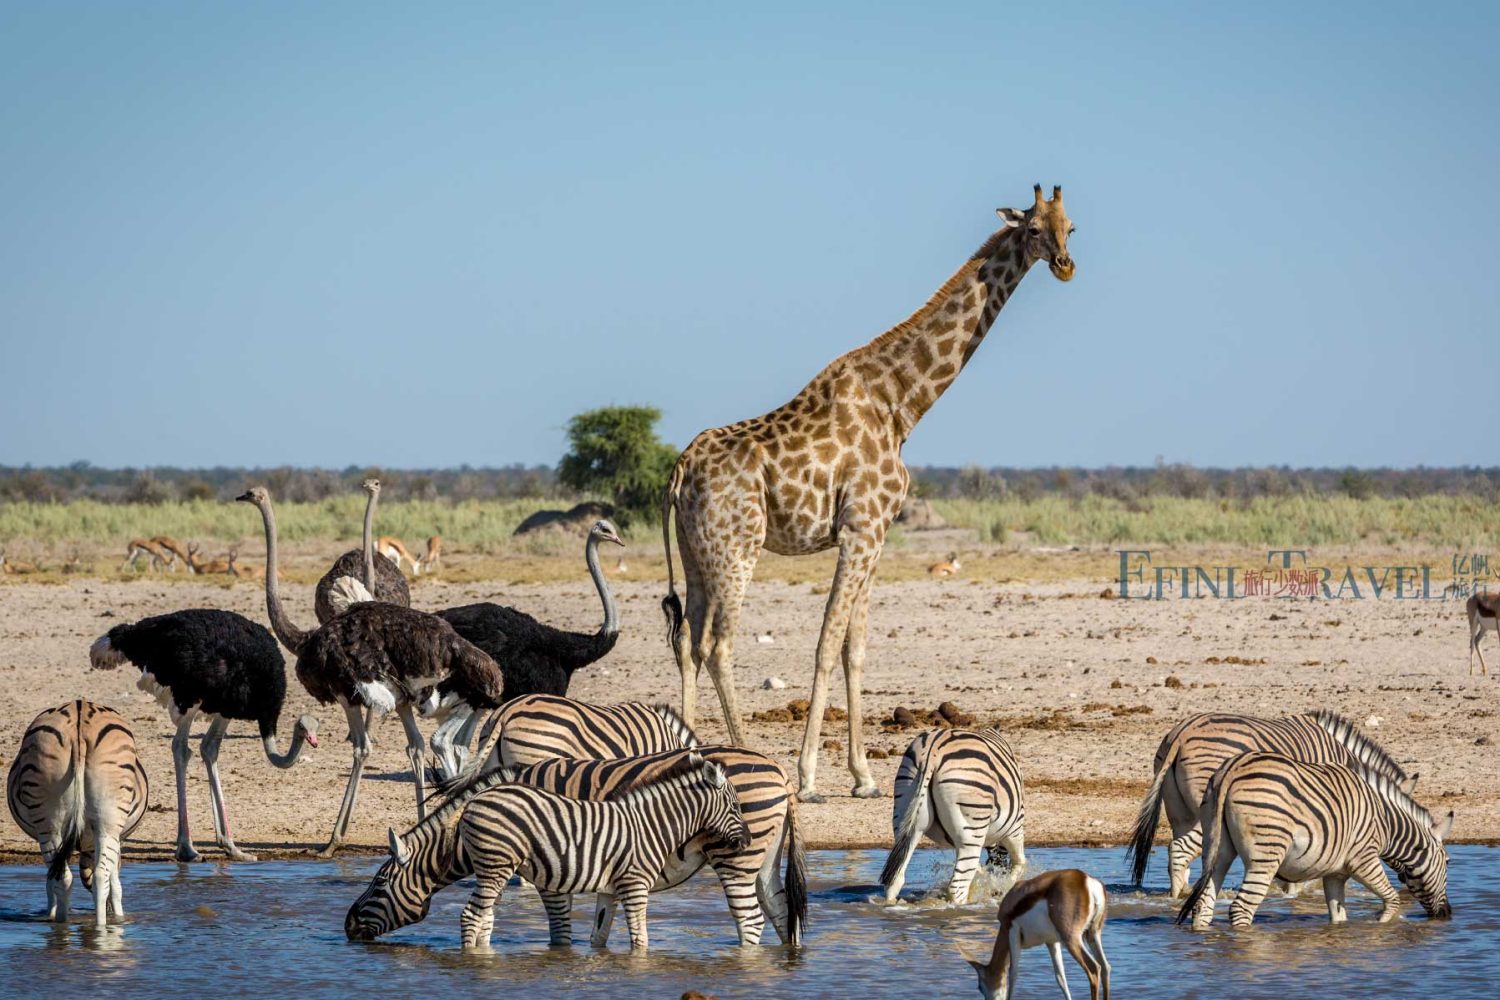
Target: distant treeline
{"type": "Point", "coordinates": [1126, 484]}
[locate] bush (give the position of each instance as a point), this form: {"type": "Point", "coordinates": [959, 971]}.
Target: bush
{"type": "Point", "coordinates": [615, 453]}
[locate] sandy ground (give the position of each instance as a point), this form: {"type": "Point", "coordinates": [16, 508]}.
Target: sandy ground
{"type": "Point", "coordinates": [1084, 687]}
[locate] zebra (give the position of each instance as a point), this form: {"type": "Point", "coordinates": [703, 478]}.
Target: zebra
{"type": "Point", "coordinates": [1297, 820]}
{"type": "Point", "coordinates": [963, 789]}
{"type": "Point", "coordinates": [497, 828]}
{"type": "Point", "coordinates": [1195, 748]}
{"type": "Point", "coordinates": [750, 877]}
{"type": "Point", "coordinates": [77, 786]}
{"type": "Point", "coordinates": [538, 727]}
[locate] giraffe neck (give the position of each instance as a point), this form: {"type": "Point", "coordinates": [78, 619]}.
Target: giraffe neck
{"type": "Point", "coordinates": [911, 365]}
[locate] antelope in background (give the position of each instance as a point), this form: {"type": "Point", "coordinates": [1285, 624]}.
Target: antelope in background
{"type": "Point", "coordinates": [213, 566]}
{"type": "Point", "coordinates": [11, 567]}
{"type": "Point", "coordinates": [948, 567]}
{"type": "Point", "coordinates": [396, 552]}
{"type": "Point", "coordinates": [144, 548]}
{"type": "Point", "coordinates": [173, 550]}
{"type": "Point", "coordinates": [1484, 614]}
{"type": "Point", "coordinates": [434, 555]}
{"type": "Point", "coordinates": [1061, 909]}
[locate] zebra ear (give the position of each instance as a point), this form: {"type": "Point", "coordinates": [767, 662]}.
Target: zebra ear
{"type": "Point", "coordinates": [715, 774]}
{"type": "Point", "coordinates": [1443, 827]}
{"type": "Point", "coordinates": [399, 853]}
{"type": "Point", "coordinates": [1409, 785]}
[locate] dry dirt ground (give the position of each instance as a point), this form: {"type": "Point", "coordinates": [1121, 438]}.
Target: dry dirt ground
{"type": "Point", "coordinates": [1084, 687]}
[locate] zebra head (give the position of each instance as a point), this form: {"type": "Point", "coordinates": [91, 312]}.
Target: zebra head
{"type": "Point", "coordinates": [398, 895]}
{"type": "Point", "coordinates": [725, 821]}
{"type": "Point", "coordinates": [1424, 871]}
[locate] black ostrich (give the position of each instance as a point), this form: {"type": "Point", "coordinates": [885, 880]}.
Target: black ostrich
{"type": "Point", "coordinates": [535, 658]}
{"type": "Point", "coordinates": [377, 656]}
{"type": "Point", "coordinates": [214, 663]}
{"type": "Point", "coordinates": [390, 583]}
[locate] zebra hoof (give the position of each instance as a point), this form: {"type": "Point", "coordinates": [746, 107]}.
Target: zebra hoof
{"type": "Point", "coordinates": [873, 792]}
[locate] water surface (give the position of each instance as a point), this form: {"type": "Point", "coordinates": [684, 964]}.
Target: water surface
{"type": "Point", "coordinates": [276, 928]}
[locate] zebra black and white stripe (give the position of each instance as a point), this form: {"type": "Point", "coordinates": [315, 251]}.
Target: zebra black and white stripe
{"type": "Point", "coordinates": [497, 828]}
{"type": "Point", "coordinates": [963, 789]}
{"type": "Point", "coordinates": [77, 786]}
{"type": "Point", "coordinates": [1294, 820]}
{"type": "Point", "coordinates": [538, 727]}
{"type": "Point", "coordinates": [751, 876]}
{"type": "Point", "coordinates": [1196, 747]}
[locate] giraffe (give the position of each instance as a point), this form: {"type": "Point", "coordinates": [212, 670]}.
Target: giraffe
{"type": "Point", "coordinates": [825, 471]}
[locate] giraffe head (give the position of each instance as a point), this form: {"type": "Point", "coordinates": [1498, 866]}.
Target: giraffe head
{"type": "Point", "coordinates": [1045, 230]}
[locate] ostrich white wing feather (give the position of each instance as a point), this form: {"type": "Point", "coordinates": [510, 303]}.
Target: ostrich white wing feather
{"type": "Point", "coordinates": [345, 592]}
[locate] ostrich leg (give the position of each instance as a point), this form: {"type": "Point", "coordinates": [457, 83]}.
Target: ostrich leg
{"type": "Point", "coordinates": [361, 742]}
{"type": "Point", "coordinates": [208, 749]}
{"type": "Point", "coordinates": [181, 754]}
{"type": "Point", "coordinates": [414, 749]}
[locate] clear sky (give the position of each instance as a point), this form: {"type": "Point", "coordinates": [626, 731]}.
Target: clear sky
{"type": "Point", "coordinates": [427, 234]}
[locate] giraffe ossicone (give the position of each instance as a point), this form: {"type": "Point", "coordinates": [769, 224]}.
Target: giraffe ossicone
{"type": "Point", "coordinates": [825, 471]}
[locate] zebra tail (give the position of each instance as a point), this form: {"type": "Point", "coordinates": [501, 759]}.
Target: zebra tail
{"type": "Point", "coordinates": [671, 605]}
{"type": "Point", "coordinates": [72, 831]}
{"type": "Point", "coordinates": [1139, 851]}
{"type": "Point", "coordinates": [907, 833]}
{"type": "Point", "coordinates": [796, 876]}
{"type": "Point", "coordinates": [1214, 839]}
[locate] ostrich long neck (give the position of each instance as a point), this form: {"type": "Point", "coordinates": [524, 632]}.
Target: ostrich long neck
{"type": "Point", "coordinates": [290, 635]}
{"type": "Point", "coordinates": [369, 542]}
{"type": "Point", "coordinates": [611, 613]}
{"type": "Point", "coordinates": [289, 758]}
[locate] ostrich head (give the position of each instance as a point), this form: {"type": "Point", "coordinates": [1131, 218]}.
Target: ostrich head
{"type": "Point", "coordinates": [257, 495]}
{"type": "Point", "coordinates": [605, 532]}
{"type": "Point", "coordinates": [371, 486]}
{"type": "Point", "coordinates": [308, 727]}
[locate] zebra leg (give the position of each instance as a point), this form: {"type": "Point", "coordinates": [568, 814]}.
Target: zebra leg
{"type": "Point", "coordinates": [414, 750]}
{"type": "Point", "coordinates": [106, 874]}
{"type": "Point", "coordinates": [477, 921]}
{"type": "Point", "coordinates": [559, 916]}
{"type": "Point", "coordinates": [632, 898]}
{"type": "Point", "coordinates": [208, 749]}
{"type": "Point", "coordinates": [1260, 869]}
{"type": "Point", "coordinates": [965, 864]}
{"type": "Point", "coordinates": [1055, 950]}
{"type": "Point", "coordinates": [1204, 914]}
{"type": "Point", "coordinates": [1180, 854]}
{"type": "Point", "coordinates": [744, 903]}
{"type": "Point", "coordinates": [1370, 874]}
{"type": "Point", "coordinates": [1333, 892]}
{"type": "Point", "coordinates": [361, 741]}
{"type": "Point", "coordinates": [181, 754]}
{"type": "Point", "coordinates": [604, 916]}
{"type": "Point", "coordinates": [60, 888]}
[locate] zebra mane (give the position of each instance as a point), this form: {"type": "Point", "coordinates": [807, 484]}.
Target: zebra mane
{"type": "Point", "coordinates": [1391, 792]}
{"type": "Point", "coordinates": [1369, 753]}
{"type": "Point", "coordinates": [687, 766]}
{"type": "Point", "coordinates": [677, 724]}
{"type": "Point", "coordinates": [460, 790]}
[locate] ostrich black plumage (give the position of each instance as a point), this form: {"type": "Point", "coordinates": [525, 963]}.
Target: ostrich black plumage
{"type": "Point", "coordinates": [389, 582]}
{"type": "Point", "coordinates": [535, 658]}
{"type": "Point", "coordinates": [378, 656]}
{"type": "Point", "coordinates": [213, 663]}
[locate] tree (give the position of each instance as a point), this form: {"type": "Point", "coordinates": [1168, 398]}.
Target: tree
{"type": "Point", "coordinates": [614, 451]}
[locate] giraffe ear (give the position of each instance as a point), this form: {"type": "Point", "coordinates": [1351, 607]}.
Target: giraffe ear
{"type": "Point", "coordinates": [1011, 216]}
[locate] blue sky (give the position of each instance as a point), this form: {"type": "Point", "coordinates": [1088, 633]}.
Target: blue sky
{"type": "Point", "coordinates": [428, 234]}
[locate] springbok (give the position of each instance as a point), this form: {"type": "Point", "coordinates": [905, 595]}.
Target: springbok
{"type": "Point", "coordinates": [144, 547]}
{"type": "Point", "coordinates": [396, 552]}
{"type": "Point", "coordinates": [1484, 613]}
{"type": "Point", "coordinates": [1061, 909]}
{"type": "Point", "coordinates": [173, 549]}
{"type": "Point", "coordinates": [434, 555]}
{"type": "Point", "coordinates": [948, 567]}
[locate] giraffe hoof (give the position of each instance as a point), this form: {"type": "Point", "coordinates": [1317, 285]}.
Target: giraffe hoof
{"type": "Point", "coordinates": [862, 792]}
{"type": "Point", "coordinates": [812, 797]}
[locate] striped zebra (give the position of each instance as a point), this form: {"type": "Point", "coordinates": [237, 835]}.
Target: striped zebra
{"type": "Point", "coordinates": [1295, 820]}
{"type": "Point", "coordinates": [538, 727]}
{"type": "Point", "coordinates": [496, 828]}
{"type": "Point", "coordinates": [1195, 748]}
{"type": "Point", "coordinates": [750, 877]}
{"type": "Point", "coordinates": [77, 787]}
{"type": "Point", "coordinates": [962, 788]}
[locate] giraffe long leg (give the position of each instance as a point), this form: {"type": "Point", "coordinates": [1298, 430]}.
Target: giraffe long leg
{"type": "Point", "coordinates": [414, 754]}
{"type": "Point", "coordinates": [854, 671]}
{"type": "Point", "coordinates": [857, 555]}
{"type": "Point", "coordinates": [208, 749]}
{"type": "Point", "coordinates": [361, 742]}
{"type": "Point", "coordinates": [692, 642]}
{"type": "Point", "coordinates": [725, 620]}
{"type": "Point", "coordinates": [181, 754]}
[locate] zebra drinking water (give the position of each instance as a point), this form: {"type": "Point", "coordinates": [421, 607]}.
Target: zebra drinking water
{"type": "Point", "coordinates": [1297, 821]}
{"type": "Point", "coordinates": [963, 789]}
{"type": "Point", "coordinates": [495, 828]}
{"type": "Point", "coordinates": [1196, 747]}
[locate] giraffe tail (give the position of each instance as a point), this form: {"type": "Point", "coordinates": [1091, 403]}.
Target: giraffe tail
{"type": "Point", "coordinates": [671, 605]}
